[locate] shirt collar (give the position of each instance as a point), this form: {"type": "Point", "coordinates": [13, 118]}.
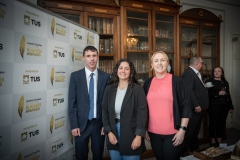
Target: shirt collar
{"type": "Point", "coordinates": [88, 72]}
{"type": "Point", "coordinates": [196, 71]}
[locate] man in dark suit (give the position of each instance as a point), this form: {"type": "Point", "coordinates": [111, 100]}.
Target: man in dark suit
{"type": "Point", "coordinates": [85, 96]}
{"type": "Point", "coordinates": [199, 103]}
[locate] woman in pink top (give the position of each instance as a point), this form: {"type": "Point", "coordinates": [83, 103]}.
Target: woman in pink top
{"type": "Point", "coordinates": [169, 110]}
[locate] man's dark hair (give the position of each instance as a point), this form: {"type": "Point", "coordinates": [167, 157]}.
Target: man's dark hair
{"type": "Point", "coordinates": [89, 48]}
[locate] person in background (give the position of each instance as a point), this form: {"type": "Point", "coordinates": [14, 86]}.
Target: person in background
{"type": "Point", "coordinates": [124, 109]}
{"type": "Point", "coordinates": [85, 96]}
{"type": "Point", "coordinates": [199, 103]}
{"type": "Point", "coordinates": [169, 110]}
{"type": "Point", "coordinates": [220, 103]}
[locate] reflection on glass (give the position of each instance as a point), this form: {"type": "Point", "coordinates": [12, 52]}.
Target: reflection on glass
{"type": "Point", "coordinates": [189, 42]}
{"type": "Point", "coordinates": [164, 33]}
{"type": "Point", "coordinates": [209, 43]}
{"type": "Point", "coordinates": [74, 18]}
{"type": "Point", "coordinates": [137, 31]}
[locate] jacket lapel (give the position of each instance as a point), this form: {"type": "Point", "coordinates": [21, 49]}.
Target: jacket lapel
{"type": "Point", "coordinates": [82, 77]}
{"type": "Point", "coordinates": [126, 97]}
{"type": "Point", "coordinates": [194, 73]}
{"type": "Point", "coordinates": [99, 83]}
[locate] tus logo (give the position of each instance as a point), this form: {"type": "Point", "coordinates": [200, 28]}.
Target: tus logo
{"type": "Point", "coordinates": [24, 136]}
{"type": "Point", "coordinates": [2, 13]}
{"type": "Point", "coordinates": [1, 46]}
{"type": "Point", "coordinates": [76, 36]}
{"type": "Point", "coordinates": [1, 81]}
{"type": "Point", "coordinates": [56, 101]}
{"type": "Point", "coordinates": [56, 147]}
{"type": "Point", "coordinates": [28, 21]}
{"type": "Point", "coordinates": [25, 79]}
{"type": "Point", "coordinates": [56, 54]}
{"type": "Point", "coordinates": [20, 106]}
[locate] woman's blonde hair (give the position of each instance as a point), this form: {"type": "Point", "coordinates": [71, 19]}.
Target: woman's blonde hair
{"type": "Point", "coordinates": [158, 53]}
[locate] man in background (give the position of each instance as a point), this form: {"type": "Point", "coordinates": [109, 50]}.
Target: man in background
{"type": "Point", "coordinates": [199, 103]}
{"type": "Point", "coordinates": [85, 96]}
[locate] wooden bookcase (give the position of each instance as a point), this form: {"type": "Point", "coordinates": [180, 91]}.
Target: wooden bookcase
{"type": "Point", "coordinates": [199, 35]}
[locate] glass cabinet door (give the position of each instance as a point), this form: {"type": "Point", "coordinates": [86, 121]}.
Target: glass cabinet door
{"type": "Point", "coordinates": [188, 46]}
{"type": "Point", "coordinates": [105, 27]}
{"type": "Point", "coordinates": [138, 42]}
{"type": "Point", "coordinates": [209, 52]}
{"type": "Point", "coordinates": [164, 37]}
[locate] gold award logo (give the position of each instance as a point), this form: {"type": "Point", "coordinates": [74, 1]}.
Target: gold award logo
{"type": "Point", "coordinates": [1, 81]}
{"type": "Point", "coordinates": [20, 106]}
{"type": "Point", "coordinates": [2, 13]}
{"type": "Point", "coordinates": [27, 20]}
{"type": "Point", "coordinates": [73, 50]}
{"type": "Point", "coordinates": [51, 124]}
{"type": "Point", "coordinates": [22, 46]}
{"type": "Point", "coordinates": [52, 76]}
{"type": "Point", "coordinates": [19, 156]}
{"type": "Point", "coordinates": [53, 26]}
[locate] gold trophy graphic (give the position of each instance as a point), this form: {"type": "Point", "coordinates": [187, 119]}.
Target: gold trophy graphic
{"type": "Point", "coordinates": [53, 26]}
{"type": "Point", "coordinates": [73, 50]}
{"type": "Point", "coordinates": [21, 106]}
{"type": "Point", "coordinates": [88, 38]}
{"type": "Point", "coordinates": [52, 76]}
{"type": "Point", "coordinates": [51, 124]}
{"type": "Point", "coordinates": [19, 156]}
{"type": "Point", "coordinates": [22, 46]}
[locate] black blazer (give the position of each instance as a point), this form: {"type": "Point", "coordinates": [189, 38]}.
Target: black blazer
{"type": "Point", "coordinates": [133, 117]}
{"type": "Point", "coordinates": [198, 92]}
{"type": "Point", "coordinates": [78, 99]}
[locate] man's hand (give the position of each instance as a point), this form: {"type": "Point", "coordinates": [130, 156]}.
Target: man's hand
{"type": "Point", "coordinates": [198, 109]}
{"type": "Point", "coordinates": [136, 142]}
{"type": "Point", "coordinates": [112, 138]}
{"type": "Point", "coordinates": [76, 132]}
{"type": "Point", "coordinates": [102, 131]}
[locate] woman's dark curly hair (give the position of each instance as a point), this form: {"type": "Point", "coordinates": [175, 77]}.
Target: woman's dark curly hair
{"type": "Point", "coordinates": [132, 77]}
{"type": "Point", "coordinates": [222, 76]}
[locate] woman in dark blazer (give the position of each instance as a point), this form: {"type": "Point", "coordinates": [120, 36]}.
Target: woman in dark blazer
{"type": "Point", "coordinates": [124, 113]}
{"type": "Point", "coordinates": [220, 103]}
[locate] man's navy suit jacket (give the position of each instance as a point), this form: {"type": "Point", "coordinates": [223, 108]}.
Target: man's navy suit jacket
{"type": "Point", "coordinates": [78, 99]}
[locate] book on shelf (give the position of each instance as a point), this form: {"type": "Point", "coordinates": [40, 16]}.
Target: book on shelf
{"type": "Point", "coordinates": [109, 31]}
{"type": "Point", "coordinates": [101, 46]}
{"type": "Point", "coordinates": [90, 22]}
{"type": "Point", "coordinates": [111, 45]}
{"type": "Point", "coordinates": [93, 24]}
{"type": "Point", "coordinates": [104, 26]}
{"type": "Point", "coordinates": [98, 25]}
{"type": "Point", "coordinates": [106, 46]}
{"type": "Point", "coordinates": [101, 26]}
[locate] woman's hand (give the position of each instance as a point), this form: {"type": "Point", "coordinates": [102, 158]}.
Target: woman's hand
{"type": "Point", "coordinates": [136, 142]}
{"type": "Point", "coordinates": [147, 136]}
{"type": "Point", "coordinates": [112, 138]}
{"type": "Point", "coordinates": [178, 138]}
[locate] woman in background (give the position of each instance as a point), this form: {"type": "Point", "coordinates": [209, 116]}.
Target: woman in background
{"type": "Point", "coordinates": [220, 103]}
{"type": "Point", "coordinates": [169, 110]}
{"type": "Point", "coordinates": [124, 113]}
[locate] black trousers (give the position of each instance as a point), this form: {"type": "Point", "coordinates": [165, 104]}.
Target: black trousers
{"type": "Point", "coordinates": [191, 136]}
{"type": "Point", "coordinates": [97, 142]}
{"type": "Point", "coordinates": [217, 120]}
{"type": "Point", "coordinates": [163, 148]}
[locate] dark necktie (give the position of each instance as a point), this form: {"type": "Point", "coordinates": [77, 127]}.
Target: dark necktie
{"type": "Point", "coordinates": [91, 97]}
